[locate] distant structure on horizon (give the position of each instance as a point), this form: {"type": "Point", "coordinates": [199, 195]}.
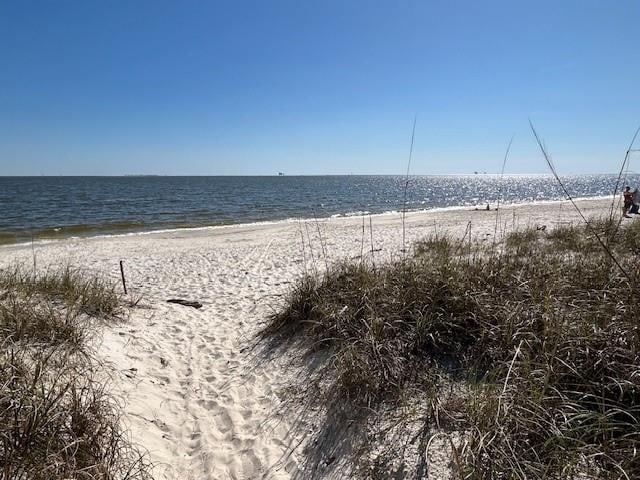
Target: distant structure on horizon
{"type": "Point", "coordinates": [280, 174]}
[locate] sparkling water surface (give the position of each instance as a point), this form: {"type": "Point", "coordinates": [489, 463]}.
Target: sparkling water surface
{"type": "Point", "coordinates": [46, 207]}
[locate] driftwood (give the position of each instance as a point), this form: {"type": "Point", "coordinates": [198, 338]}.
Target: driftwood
{"type": "Point", "coordinates": [186, 303]}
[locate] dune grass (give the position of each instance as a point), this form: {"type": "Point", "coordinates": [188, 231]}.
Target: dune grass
{"type": "Point", "coordinates": [541, 332]}
{"type": "Point", "coordinates": [90, 295]}
{"type": "Point", "coordinates": [57, 421]}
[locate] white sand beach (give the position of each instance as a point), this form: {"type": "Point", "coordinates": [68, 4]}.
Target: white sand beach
{"type": "Point", "coordinates": [193, 394]}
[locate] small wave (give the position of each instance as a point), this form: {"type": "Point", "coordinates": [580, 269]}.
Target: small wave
{"type": "Point", "coordinates": [358, 213]}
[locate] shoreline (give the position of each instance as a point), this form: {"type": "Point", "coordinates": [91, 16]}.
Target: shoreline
{"type": "Point", "coordinates": [284, 221]}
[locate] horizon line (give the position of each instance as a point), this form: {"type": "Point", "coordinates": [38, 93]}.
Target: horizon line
{"type": "Point", "coordinates": [471, 174]}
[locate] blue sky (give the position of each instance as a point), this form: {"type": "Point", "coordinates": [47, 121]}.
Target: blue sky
{"type": "Point", "coordinates": [325, 87]}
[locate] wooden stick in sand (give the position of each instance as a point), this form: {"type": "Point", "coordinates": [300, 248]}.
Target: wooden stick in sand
{"type": "Point", "coordinates": [124, 283]}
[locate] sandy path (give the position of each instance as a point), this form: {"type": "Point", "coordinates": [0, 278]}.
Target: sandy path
{"type": "Point", "coordinates": [193, 394]}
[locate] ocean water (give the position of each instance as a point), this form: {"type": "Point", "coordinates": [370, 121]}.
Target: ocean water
{"type": "Point", "coordinates": [50, 207]}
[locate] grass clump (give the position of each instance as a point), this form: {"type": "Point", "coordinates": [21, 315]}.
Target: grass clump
{"type": "Point", "coordinates": [90, 295]}
{"type": "Point", "coordinates": [541, 333]}
{"type": "Point", "coordinates": [57, 421]}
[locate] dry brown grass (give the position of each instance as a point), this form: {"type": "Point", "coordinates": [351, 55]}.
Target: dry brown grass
{"type": "Point", "coordinates": [57, 421]}
{"type": "Point", "coordinates": [541, 331]}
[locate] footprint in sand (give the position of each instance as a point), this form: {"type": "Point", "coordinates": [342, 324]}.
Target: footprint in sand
{"type": "Point", "coordinates": [224, 422]}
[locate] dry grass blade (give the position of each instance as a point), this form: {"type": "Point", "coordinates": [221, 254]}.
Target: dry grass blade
{"type": "Point", "coordinates": [570, 198]}
{"type": "Point", "coordinates": [623, 169]}
{"type": "Point", "coordinates": [406, 185]}
{"type": "Point", "coordinates": [504, 164]}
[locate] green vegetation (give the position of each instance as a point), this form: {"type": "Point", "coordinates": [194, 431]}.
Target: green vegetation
{"type": "Point", "coordinates": [56, 419]}
{"type": "Point", "coordinates": [538, 335]}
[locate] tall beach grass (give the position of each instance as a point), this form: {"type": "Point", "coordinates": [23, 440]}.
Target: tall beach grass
{"type": "Point", "coordinates": [57, 418]}
{"type": "Point", "coordinates": [527, 352]}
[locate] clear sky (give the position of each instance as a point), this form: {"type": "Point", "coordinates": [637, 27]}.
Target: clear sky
{"type": "Point", "coordinates": [183, 87]}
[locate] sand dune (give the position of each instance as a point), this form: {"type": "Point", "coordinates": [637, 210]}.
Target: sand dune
{"type": "Point", "coordinates": [193, 393]}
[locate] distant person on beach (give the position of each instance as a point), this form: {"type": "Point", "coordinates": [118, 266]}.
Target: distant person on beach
{"type": "Point", "coordinates": [627, 197]}
{"type": "Point", "coordinates": [635, 202]}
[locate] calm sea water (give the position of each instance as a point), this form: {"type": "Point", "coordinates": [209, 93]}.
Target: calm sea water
{"type": "Point", "coordinates": [45, 207]}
